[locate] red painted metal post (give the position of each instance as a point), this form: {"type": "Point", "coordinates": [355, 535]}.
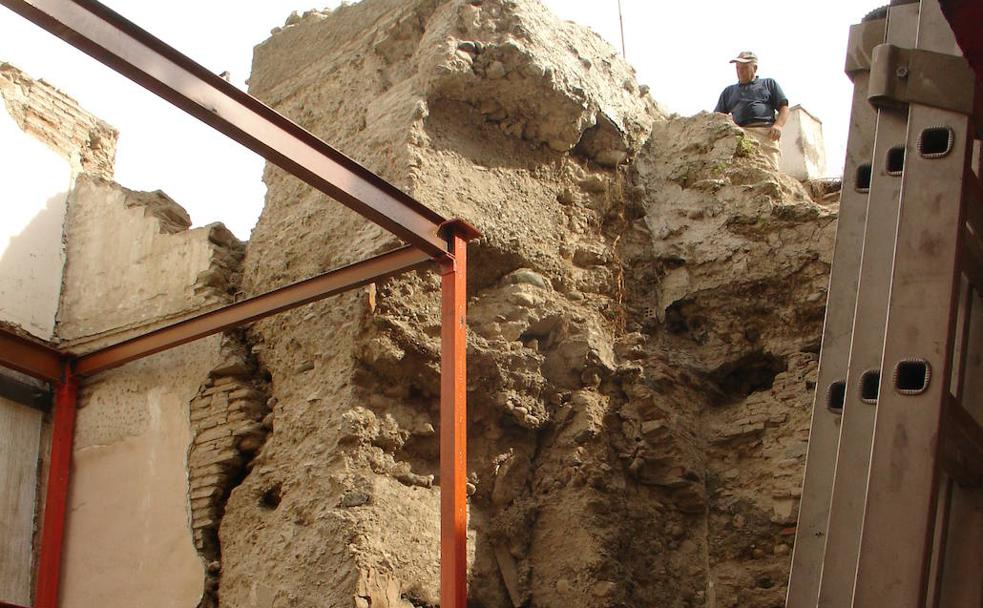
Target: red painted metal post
{"type": "Point", "coordinates": [453, 428]}
{"type": "Point", "coordinates": [454, 416]}
{"type": "Point", "coordinates": [56, 499]}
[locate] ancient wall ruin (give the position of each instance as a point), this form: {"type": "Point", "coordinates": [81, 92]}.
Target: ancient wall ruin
{"type": "Point", "coordinates": [133, 264]}
{"type": "Point", "coordinates": [645, 310]}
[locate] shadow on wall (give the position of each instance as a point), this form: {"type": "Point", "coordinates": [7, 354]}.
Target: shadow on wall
{"type": "Point", "coordinates": [31, 268]}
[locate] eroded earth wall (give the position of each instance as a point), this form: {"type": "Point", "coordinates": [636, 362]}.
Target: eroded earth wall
{"type": "Point", "coordinates": [645, 311]}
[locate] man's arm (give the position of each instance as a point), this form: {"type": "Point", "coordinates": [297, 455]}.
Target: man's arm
{"type": "Point", "coordinates": [722, 104]}
{"type": "Point", "coordinates": [776, 129]}
{"type": "Point", "coordinates": [781, 104]}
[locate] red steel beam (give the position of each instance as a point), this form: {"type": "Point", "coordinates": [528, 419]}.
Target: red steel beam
{"type": "Point", "coordinates": [29, 357]}
{"type": "Point", "coordinates": [253, 309]}
{"type": "Point", "coordinates": [110, 38]}
{"type": "Point", "coordinates": [453, 421]}
{"type": "Point", "coordinates": [56, 499]}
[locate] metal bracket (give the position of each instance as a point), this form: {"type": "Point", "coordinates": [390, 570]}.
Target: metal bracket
{"type": "Point", "coordinates": [899, 77]}
{"type": "Point", "coordinates": [864, 38]}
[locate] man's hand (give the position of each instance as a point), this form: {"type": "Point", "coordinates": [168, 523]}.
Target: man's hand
{"type": "Point", "coordinates": [775, 133]}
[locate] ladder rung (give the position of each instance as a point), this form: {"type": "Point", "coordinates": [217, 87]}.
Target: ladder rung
{"type": "Point", "coordinates": [962, 445]}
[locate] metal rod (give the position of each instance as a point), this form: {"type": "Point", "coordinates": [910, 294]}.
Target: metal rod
{"type": "Point", "coordinates": [453, 428]}
{"type": "Point", "coordinates": [29, 357]}
{"type": "Point", "coordinates": [253, 309]}
{"type": "Point", "coordinates": [621, 22]}
{"type": "Point", "coordinates": [110, 38]}
{"type": "Point", "coordinates": [56, 497]}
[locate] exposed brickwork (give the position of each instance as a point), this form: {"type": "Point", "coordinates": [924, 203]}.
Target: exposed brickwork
{"type": "Point", "coordinates": [56, 119]}
{"type": "Point", "coordinates": [227, 417]}
{"type": "Point", "coordinates": [230, 421]}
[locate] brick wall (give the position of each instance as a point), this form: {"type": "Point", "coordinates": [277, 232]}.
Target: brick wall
{"type": "Point", "coordinates": [56, 119]}
{"type": "Point", "coordinates": [230, 418]}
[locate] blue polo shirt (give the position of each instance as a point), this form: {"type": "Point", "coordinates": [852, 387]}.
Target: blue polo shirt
{"type": "Point", "coordinates": [754, 102]}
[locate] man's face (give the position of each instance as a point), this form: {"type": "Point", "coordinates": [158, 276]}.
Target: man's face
{"type": "Point", "coordinates": [745, 72]}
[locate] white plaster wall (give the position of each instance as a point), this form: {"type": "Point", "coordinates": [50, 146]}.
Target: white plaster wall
{"type": "Point", "coordinates": [128, 538]}
{"type": "Point", "coordinates": [131, 261]}
{"type": "Point", "coordinates": [803, 148]}
{"type": "Point", "coordinates": [34, 184]}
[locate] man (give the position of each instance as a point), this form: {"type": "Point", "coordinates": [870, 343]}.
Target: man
{"type": "Point", "coordinates": [754, 103]}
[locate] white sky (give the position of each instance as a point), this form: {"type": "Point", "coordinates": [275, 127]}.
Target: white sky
{"type": "Point", "coordinates": [679, 48]}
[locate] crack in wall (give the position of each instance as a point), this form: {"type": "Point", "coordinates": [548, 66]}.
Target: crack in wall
{"type": "Point", "coordinates": [231, 418]}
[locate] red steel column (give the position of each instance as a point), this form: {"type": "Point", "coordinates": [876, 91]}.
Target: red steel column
{"type": "Point", "coordinates": [56, 498]}
{"type": "Point", "coordinates": [453, 428]}
{"type": "Point", "coordinates": [454, 416]}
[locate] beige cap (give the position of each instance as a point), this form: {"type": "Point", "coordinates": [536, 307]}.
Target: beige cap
{"type": "Point", "coordinates": [745, 57]}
